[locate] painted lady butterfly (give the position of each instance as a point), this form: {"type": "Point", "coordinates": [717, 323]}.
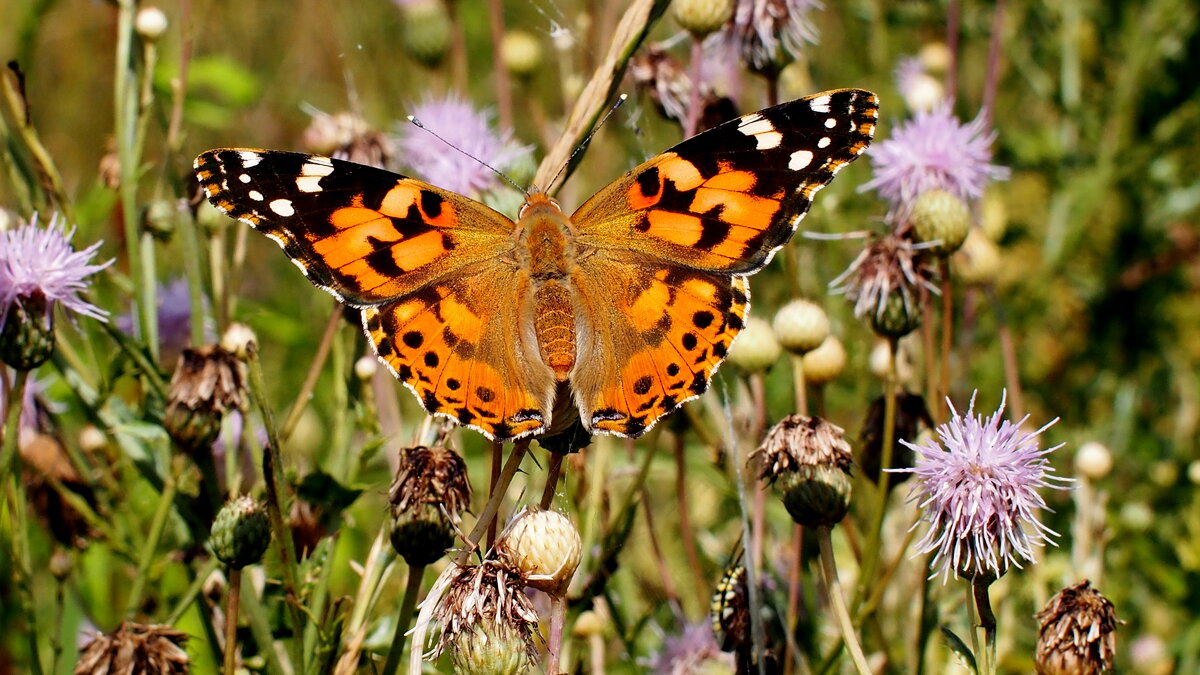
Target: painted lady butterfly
{"type": "Point", "coordinates": [627, 307]}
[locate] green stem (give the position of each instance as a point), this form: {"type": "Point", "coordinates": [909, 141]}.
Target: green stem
{"type": "Point", "coordinates": [987, 620]}
{"type": "Point", "coordinates": [558, 611]}
{"type": "Point", "coordinates": [493, 504]}
{"type": "Point", "coordinates": [15, 492]}
{"type": "Point", "coordinates": [871, 553]}
{"type": "Point", "coordinates": [150, 546]}
{"type": "Point", "coordinates": [837, 601]}
{"type": "Point", "coordinates": [15, 400]}
{"type": "Point", "coordinates": [193, 591]}
{"type": "Point", "coordinates": [314, 373]}
{"type": "Point", "coordinates": [274, 478]}
{"type": "Point", "coordinates": [233, 594]}
{"type": "Point", "coordinates": [411, 590]}
{"type": "Point", "coordinates": [553, 472]}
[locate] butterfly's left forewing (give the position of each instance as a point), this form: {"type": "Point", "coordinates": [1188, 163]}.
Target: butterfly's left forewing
{"type": "Point", "coordinates": [685, 229]}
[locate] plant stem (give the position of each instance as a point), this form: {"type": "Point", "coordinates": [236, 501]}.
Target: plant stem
{"type": "Point", "coordinates": [553, 473]}
{"type": "Point", "coordinates": [833, 589]}
{"type": "Point", "coordinates": [947, 325]}
{"type": "Point", "coordinates": [232, 597]}
{"type": "Point", "coordinates": [558, 612]}
{"type": "Point", "coordinates": [493, 505]}
{"type": "Point", "coordinates": [15, 493]}
{"type": "Point", "coordinates": [165, 501]}
{"type": "Point", "coordinates": [687, 536]}
{"type": "Point", "coordinates": [987, 620]}
{"type": "Point", "coordinates": [493, 481]}
{"type": "Point", "coordinates": [15, 400]}
{"type": "Point", "coordinates": [411, 590]}
{"type": "Point", "coordinates": [872, 552]}
{"type": "Point", "coordinates": [314, 372]}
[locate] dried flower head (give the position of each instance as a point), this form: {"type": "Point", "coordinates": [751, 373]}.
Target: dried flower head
{"type": "Point", "coordinates": [468, 129]}
{"type": "Point", "coordinates": [38, 269]}
{"type": "Point", "coordinates": [933, 150]}
{"type": "Point", "coordinates": [808, 461]}
{"type": "Point", "coordinates": [476, 597]}
{"type": "Point", "coordinates": [664, 78]}
{"type": "Point", "coordinates": [50, 477]}
{"type": "Point", "coordinates": [347, 136]}
{"type": "Point", "coordinates": [427, 499]}
{"type": "Point", "coordinates": [978, 489]}
{"type": "Point", "coordinates": [208, 382]}
{"type": "Point", "coordinates": [1078, 633]}
{"type": "Point", "coordinates": [884, 282]}
{"type": "Point", "coordinates": [137, 650]}
{"type": "Point", "coordinates": [768, 34]}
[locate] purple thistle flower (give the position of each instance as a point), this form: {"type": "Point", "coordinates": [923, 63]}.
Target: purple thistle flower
{"type": "Point", "coordinates": [978, 490]}
{"type": "Point", "coordinates": [174, 318]}
{"type": "Point", "coordinates": [934, 150]}
{"type": "Point", "coordinates": [33, 260]}
{"type": "Point", "coordinates": [461, 125]}
{"type": "Point", "coordinates": [684, 653]}
{"type": "Point", "coordinates": [767, 34]}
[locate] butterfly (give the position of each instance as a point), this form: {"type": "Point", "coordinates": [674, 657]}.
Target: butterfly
{"type": "Point", "coordinates": [627, 307]}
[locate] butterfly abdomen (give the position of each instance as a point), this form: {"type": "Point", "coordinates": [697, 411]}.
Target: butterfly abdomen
{"type": "Point", "coordinates": [549, 252]}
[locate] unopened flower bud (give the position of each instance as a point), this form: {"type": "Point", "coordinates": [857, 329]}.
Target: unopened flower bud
{"type": "Point", "coordinates": [898, 318]}
{"type": "Point", "coordinates": [977, 263]}
{"type": "Point", "coordinates": [701, 17]}
{"type": "Point", "coordinates": [150, 23]}
{"type": "Point", "coordinates": [823, 364]}
{"type": "Point", "coordinates": [60, 564]}
{"type": "Point", "coordinates": [544, 547]}
{"type": "Point", "coordinates": [426, 32]}
{"type": "Point", "coordinates": [808, 461]}
{"type": "Point", "coordinates": [238, 339]}
{"type": "Point", "coordinates": [91, 439]}
{"type": "Point", "coordinates": [490, 648]}
{"type": "Point", "coordinates": [366, 367]}
{"type": "Point", "coordinates": [27, 336]}
{"type": "Point", "coordinates": [1093, 460]}
{"type": "Point", "coordinates": [940, 217]}
{"type": "Point", "coordinates": [429, 493]}
{"type": "Point", "coordinates": [756, 348]}
{"type": "Point", "coordinates": [801, 326]}
{"type": "Point", "coordinates": [935, 57]}
{"type": "Point", "coordinates": [240, 533]}
{"type": "Point", "coordinates": [521, 53]}
{"type": "Point", "coordinates": [159, 218]}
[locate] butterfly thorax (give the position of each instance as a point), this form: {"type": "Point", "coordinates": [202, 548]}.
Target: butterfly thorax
{"type": "Point", "coordinates": [547, 250]}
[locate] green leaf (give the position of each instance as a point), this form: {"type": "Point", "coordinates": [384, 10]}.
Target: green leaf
{"type": "Point", "coordinates": [956, 644]}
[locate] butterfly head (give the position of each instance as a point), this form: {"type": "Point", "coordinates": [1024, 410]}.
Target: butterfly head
{"type": "Point", "coordinates": [537, 199]}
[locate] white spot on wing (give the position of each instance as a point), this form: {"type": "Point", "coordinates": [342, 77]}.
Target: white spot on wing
{"type": "Point", "coordinates": [755, 124]}
{"type": "Point", "coordinates": [309, 183]}
{"type": "Point", "coordinates": [249, 159]}
{"type": "Point", "coordinates": [317, 166]}
{"type": "Point", "coordinates": [282, 207]}
{"type": "Point", "coordinates": [820, 104]}
{"type": "Point", "coordinates": [830, 123]}
{"type": "Point", "coordinates": [255, 195]}
{"type": "Point", "coordinates": [800, 159]}
{"type": "Point", "coordinates": [245, 178]}
{"type": "Point", "coordinates": [300, 266]}
{"type": "Point", "coordinates": [824, 142]}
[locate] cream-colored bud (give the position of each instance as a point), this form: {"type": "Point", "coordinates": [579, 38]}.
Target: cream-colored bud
{"type": "Point", "coordinates": [935, 56]}
{"type": "Point", "coordinates": [977, 262]}
{"type": "Point", "coordinates": [91, 439]}
{"type": "Point", "coordinates": [923, 92]}
{"type": "Point", "coordinates": [701, 17]}
{"type": "Point", "coordinates": [755, 348]}
{"type": "Point", "coordinates": [826, 362]}
{"type": "Point", "coordinates": [544, 548]}
{"type": "Point", "coordinates": [1093, 460]}
{"type": "Point", "coordinates": [521, 52]}
{"type": "Point", "coordinates": [366, 367]}
{"type": "Point", "coordinates": [238, 340]}
{"type": "Point", "coordinates": [801, 326]}
{"type": "Point", "coordinates": [150, 23]}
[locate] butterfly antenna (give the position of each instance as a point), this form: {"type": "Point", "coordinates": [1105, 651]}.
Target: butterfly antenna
{"type": "Point", "coordinates": [494, 170]}
{"type": "Point", "coordinates": [579, 148]}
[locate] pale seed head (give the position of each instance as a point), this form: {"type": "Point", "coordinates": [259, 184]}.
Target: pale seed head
{"type": "Point", "coordinates": [801, 326]}
{"type": "Point", "coordinates": [544, 547]}
{"type": "Point", "coordinates": [823, 364]}
{"type": "Point", "coordinates": [756, 347]}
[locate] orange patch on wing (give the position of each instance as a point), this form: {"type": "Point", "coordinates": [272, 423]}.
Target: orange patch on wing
{"type": "Point", "coordinates": [682, 172]}
{"type": "Point", "coordinates": [352, 243]}
{"type": "Point", "coordinates": [398, 199]}
{"type": "Point", "coordinates": [352, 216]}
{"type": "Point", "coordinates": [647, 307]}
{"type": "Point", "coordinates": [738, 181]}
{"type": "Point", "coordinates": [418, 251]}
{"type": "Point", "coordinates": [638, 201]}
{"type": "Point", "coordinates": [677, 228]}
{"type": "Point", "coordinates": [365, 277]}
{"type": "Point", "coordinates": [737, 208]}
{"type": "Point", "coordinates": [467, 324]}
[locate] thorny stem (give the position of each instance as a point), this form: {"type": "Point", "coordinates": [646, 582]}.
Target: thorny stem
{"type": "Point", "coordinates": [493, 504]}
{"type": "Point", "coordinates": [837, 601]}
{"type": "Point", "coordinates": [274, 479]}
{"type": "Point", "coordinates": [15, 492]}
{"type": "Point", "coordinates": [553, 473]}
{"type": "Point", "coordinates": [558, 612]}
{"type": "Point", "coordinates": [233, 594]}
{"type": "Point", "coordinates": [987, 620]}
{"type": "Point", "coordinates": [411, 590]}
{"type": "Point", "coordinates": [314, 373]}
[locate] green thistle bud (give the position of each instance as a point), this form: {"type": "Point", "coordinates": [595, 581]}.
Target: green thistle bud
{"type": "Point", "coordinates": [940, 216]}
{"type": "Point", "coordinates": [701, 17]}
{"type": "Point", "coordinates": [427, 497]}
{"type": "Point", "coordinates": [808, 461]}
{"type": "Point", "coordinates": [240, 533]}
{"type": "Point", "coordinates": [898, 318]}
{"type": "Point", "coordinates": [426, 32]}
{"type": "Point", "coordinates": [490, 648]}
{"type": "Point", "coordinates": [801, 326]}
{"type": "Point", "coordinates": [756, 347]}
{"type": "Point", "coordinates": [27, 338]}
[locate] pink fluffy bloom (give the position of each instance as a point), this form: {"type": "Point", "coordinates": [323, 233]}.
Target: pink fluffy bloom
{"type": "Point", "coordinates": [769, 33]}
{"type": "Point", "coordinates": [934, 150]}
{"type": "Point", "coordinates": [978, 489]}
{"type": "Point", "coordinates": [35, 259]}
{"type": "Point", "coordinates": [464, 127]}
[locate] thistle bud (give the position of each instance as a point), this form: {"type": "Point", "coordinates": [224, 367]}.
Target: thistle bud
{"type": "Point", "coordinates": [801, 326]}
{"type": "Point", "coordinates": [521, 53]}
{"type": "Point", "coordinates": [27, 336]}
{"type": "Point", "coordinates": [756, 347]}
{"type": "Point", "coordinates": [808, 461]}
{"type": "Point", "coordinates": [150, 23]}
{"type": "Point", "coordinates": [701, 17]}
{"type": "Point", "coordinates": [823, 364]}
{"type": "Point", "coordinates": [366, 367]}
{"type": "Point", "coordinates": [238, 339]}
{"type": "Point", "coordinates": [544, 547]}
{"type": "Point", "coordinates": [429, 493]}
{"type": "Point", "coordinates": [240, 533]}
{"type": "Point", "coordinates": [487, 622]}
{"type": "Point", "coordinates": [1093, 460]}
{"type": "Point", "coordinates": [426, 32]}
{"type": "Point", "coordinates": [490, 648]}
{"type": "Point", "coordinates": [940, 217]}
{"type": "Point", "coordinates": [897, 316]}
{"type": "Point", "coordinates": [207, 383]}
{"type": "Point", "coordinates": [1078, 633]}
